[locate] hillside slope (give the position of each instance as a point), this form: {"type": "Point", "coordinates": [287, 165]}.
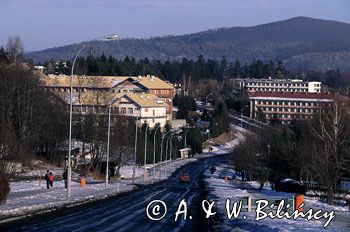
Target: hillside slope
{"type": "Point", "coordinates": [301, 42]}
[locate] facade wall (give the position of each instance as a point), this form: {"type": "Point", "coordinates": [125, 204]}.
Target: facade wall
{"type": "Point", "coordinates": [271, 85]}
{"type": "Point", "coordinates": [285, 109]}
{"type": "Point", "coordinates": [151, 115]}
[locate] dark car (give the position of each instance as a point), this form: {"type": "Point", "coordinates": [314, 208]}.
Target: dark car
{"type": "Point", "coordinates": [290, 186]}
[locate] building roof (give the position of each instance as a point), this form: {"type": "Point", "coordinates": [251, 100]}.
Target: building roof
{"type": "Point", "coordinates": [83, 81]}
{"type": "Point", "coordinates": [149, 82]}
{"type": "Point", "coordinates": [293, 95]}
{"type": "Point", "coordinates": [145, 100]}
{"type": "Point", "coordinates": [152, 82]}
{"type": "Point", "coordinates": [272, 80]}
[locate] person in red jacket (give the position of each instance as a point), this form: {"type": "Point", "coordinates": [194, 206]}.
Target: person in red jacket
{"type": "Point", "coordinates": [51, 177]}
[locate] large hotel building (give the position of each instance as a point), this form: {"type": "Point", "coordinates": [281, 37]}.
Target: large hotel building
{"type": "Point", "coordinates": [288, 106]}
{"type": "Point", "coordinates": [147, 97]}
{"type": "Point", "coordinates": [279, 85]}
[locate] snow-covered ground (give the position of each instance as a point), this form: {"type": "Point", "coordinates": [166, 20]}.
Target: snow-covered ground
{"type": "Point", "coordinates": [27, 197]}
{"type": "Point", "coordinates": [235, 190]}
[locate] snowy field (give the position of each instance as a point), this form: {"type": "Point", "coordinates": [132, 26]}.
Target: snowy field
{"type": "Point", "coordinates": [235, 190]}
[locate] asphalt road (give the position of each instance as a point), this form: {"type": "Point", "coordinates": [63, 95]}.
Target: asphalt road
{"type": "Point", "coordinates": [128, 211]}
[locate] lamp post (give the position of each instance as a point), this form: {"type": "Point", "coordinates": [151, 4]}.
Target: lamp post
{"type": "Point", "coordinates": [154, 152]}
{"type": "Point", "coordinates": [161, 148]}
{"type": "Point", "coordinates": [186, 135]}
{"type": "Point", "coordinates": [144, 173]}
{"type": "Point", "coordinates": [108, 138]}
{"type": "Point", "coordinates": [206, 100]}
{"type": "Point", "coordinates": [166, 149]}
{"type": "Point", "coordinates": [171, 149]}
{"type": "Point", "coordinates": [242, 114]}
{"type": "Point", "coordinates": [69, 169]}
{"type": "Point", "coordinates": [135, 149]}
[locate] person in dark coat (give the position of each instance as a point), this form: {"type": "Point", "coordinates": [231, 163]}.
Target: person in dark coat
{"type": "Point", "coordinates": [47, 179]}
{"type": "Point", "coordinates": [51, 177]}
{"type": "Point", "coordinates": [65, 178]}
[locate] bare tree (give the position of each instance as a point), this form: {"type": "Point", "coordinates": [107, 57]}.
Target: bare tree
{"type": "Point", "coordinates": [14, 48]}
{"type": "Point", "coordinates": [331, 151]}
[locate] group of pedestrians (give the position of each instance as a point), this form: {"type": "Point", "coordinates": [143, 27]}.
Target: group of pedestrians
{"type": "Point", "coordinates": [49, 177]}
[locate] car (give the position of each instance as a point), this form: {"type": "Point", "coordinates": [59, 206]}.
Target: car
{"type": "Point", "coordinates": [184, 177]}
{"type": "Point", "coordinates": [290, 186]}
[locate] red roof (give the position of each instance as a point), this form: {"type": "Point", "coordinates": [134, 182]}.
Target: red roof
{"type": "Point", "coordinates": [306, 95]}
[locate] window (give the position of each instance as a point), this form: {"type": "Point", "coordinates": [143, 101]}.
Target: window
{"type": "Point", "coordinates": [154, 112]}
{"type": "Point", "coordinates": [123, 110]}
{"type": "Point", "coordinates": [146, 110]}
{"type": "Point", "coordinates": [130, 110]}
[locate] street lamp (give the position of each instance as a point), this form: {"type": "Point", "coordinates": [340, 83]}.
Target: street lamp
{"type": "Point", "coordinates": [108, 138]}
{"type": "Point", "coordinates": [206, 100]}
{"type": "Point", "coordinates": [206, 103]}
{"type": "Point", "coordinates": [186, 135]}
{"type": "Point", "coordinates": [135, 149]}
{"type": "Point", "coordinates": [154, 151]}
{"type": "Point", "coordinates": [242, 114]}
{"type": "Point", "coordinates": [166, 149]}
{"type": "Point", "coordinates": [144, 173]}
{"type": "Point", "coordinates": [161, 148]}
{"type": "Point", "coordinates": [69, 169]}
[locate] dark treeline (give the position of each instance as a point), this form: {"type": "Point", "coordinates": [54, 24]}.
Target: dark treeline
{"type": "Point", "coordinates": [171, 70]}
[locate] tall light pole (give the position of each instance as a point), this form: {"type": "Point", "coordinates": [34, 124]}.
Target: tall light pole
{"type": "Point", "coordinates": [69, 169]}
{"type": "Point", "coordinates": [242, 114]}
{"type": "Point", "coordinates": [108, 138]}
{"type": "Point", "coordinates": [206, 100]}
{"type": "Point", "coordinates": [166, 149]}
{"type": "Point", "coordinates": [186, 135]}
{"type": "Point", "coordinates": [135, 149]}
{"type": "Point", "coordinates": [154, 152]}
{"type": "Point", "coordinates": [161, 148]}
{"type": "Point", "coordinates": [144, 173]}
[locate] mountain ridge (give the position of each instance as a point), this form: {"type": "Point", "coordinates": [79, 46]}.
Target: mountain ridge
{"type": "Point", "coordinates": [291, 40]}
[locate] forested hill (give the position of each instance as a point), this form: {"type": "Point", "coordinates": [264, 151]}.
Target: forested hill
{"type": "Point", "coordinates": [301, 43]}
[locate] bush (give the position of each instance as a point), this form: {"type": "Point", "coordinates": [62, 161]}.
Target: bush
{"type": "Point", "coordinates": [4, 190]}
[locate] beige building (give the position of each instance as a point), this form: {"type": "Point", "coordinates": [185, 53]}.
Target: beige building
{"type": "Point", "coordinates": [148, 108]}
{"type": "Point", "coordinates": [91, 94]}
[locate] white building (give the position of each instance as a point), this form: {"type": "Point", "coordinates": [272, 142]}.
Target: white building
{"type": "Point", "coordinates": [279, 85]}
{"type": "Point", "coordinates": [147, 107]}
{"type": "Point", "coordinates": [285, 107]}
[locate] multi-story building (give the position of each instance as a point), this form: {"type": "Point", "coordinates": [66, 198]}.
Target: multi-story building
{"type": "Point", "coordinates": [93, 92]}
{"type": "Point", "coordinates": [279, 85]}
{"type": "Point", "coordinates": [287, 106]}
{"type": "Point", "coordinates": [148, 108]}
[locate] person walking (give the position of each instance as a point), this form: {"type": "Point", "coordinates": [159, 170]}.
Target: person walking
{"type": "Point", "coordinates": [65, 177]}
{"type": "Point", "coordinates": [47, 179]}
{"type": "Point", "coordinates": [51, 177]}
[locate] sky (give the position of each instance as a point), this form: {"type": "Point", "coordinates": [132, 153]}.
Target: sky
{"type": "Point", "coordinates": [50, 23]}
